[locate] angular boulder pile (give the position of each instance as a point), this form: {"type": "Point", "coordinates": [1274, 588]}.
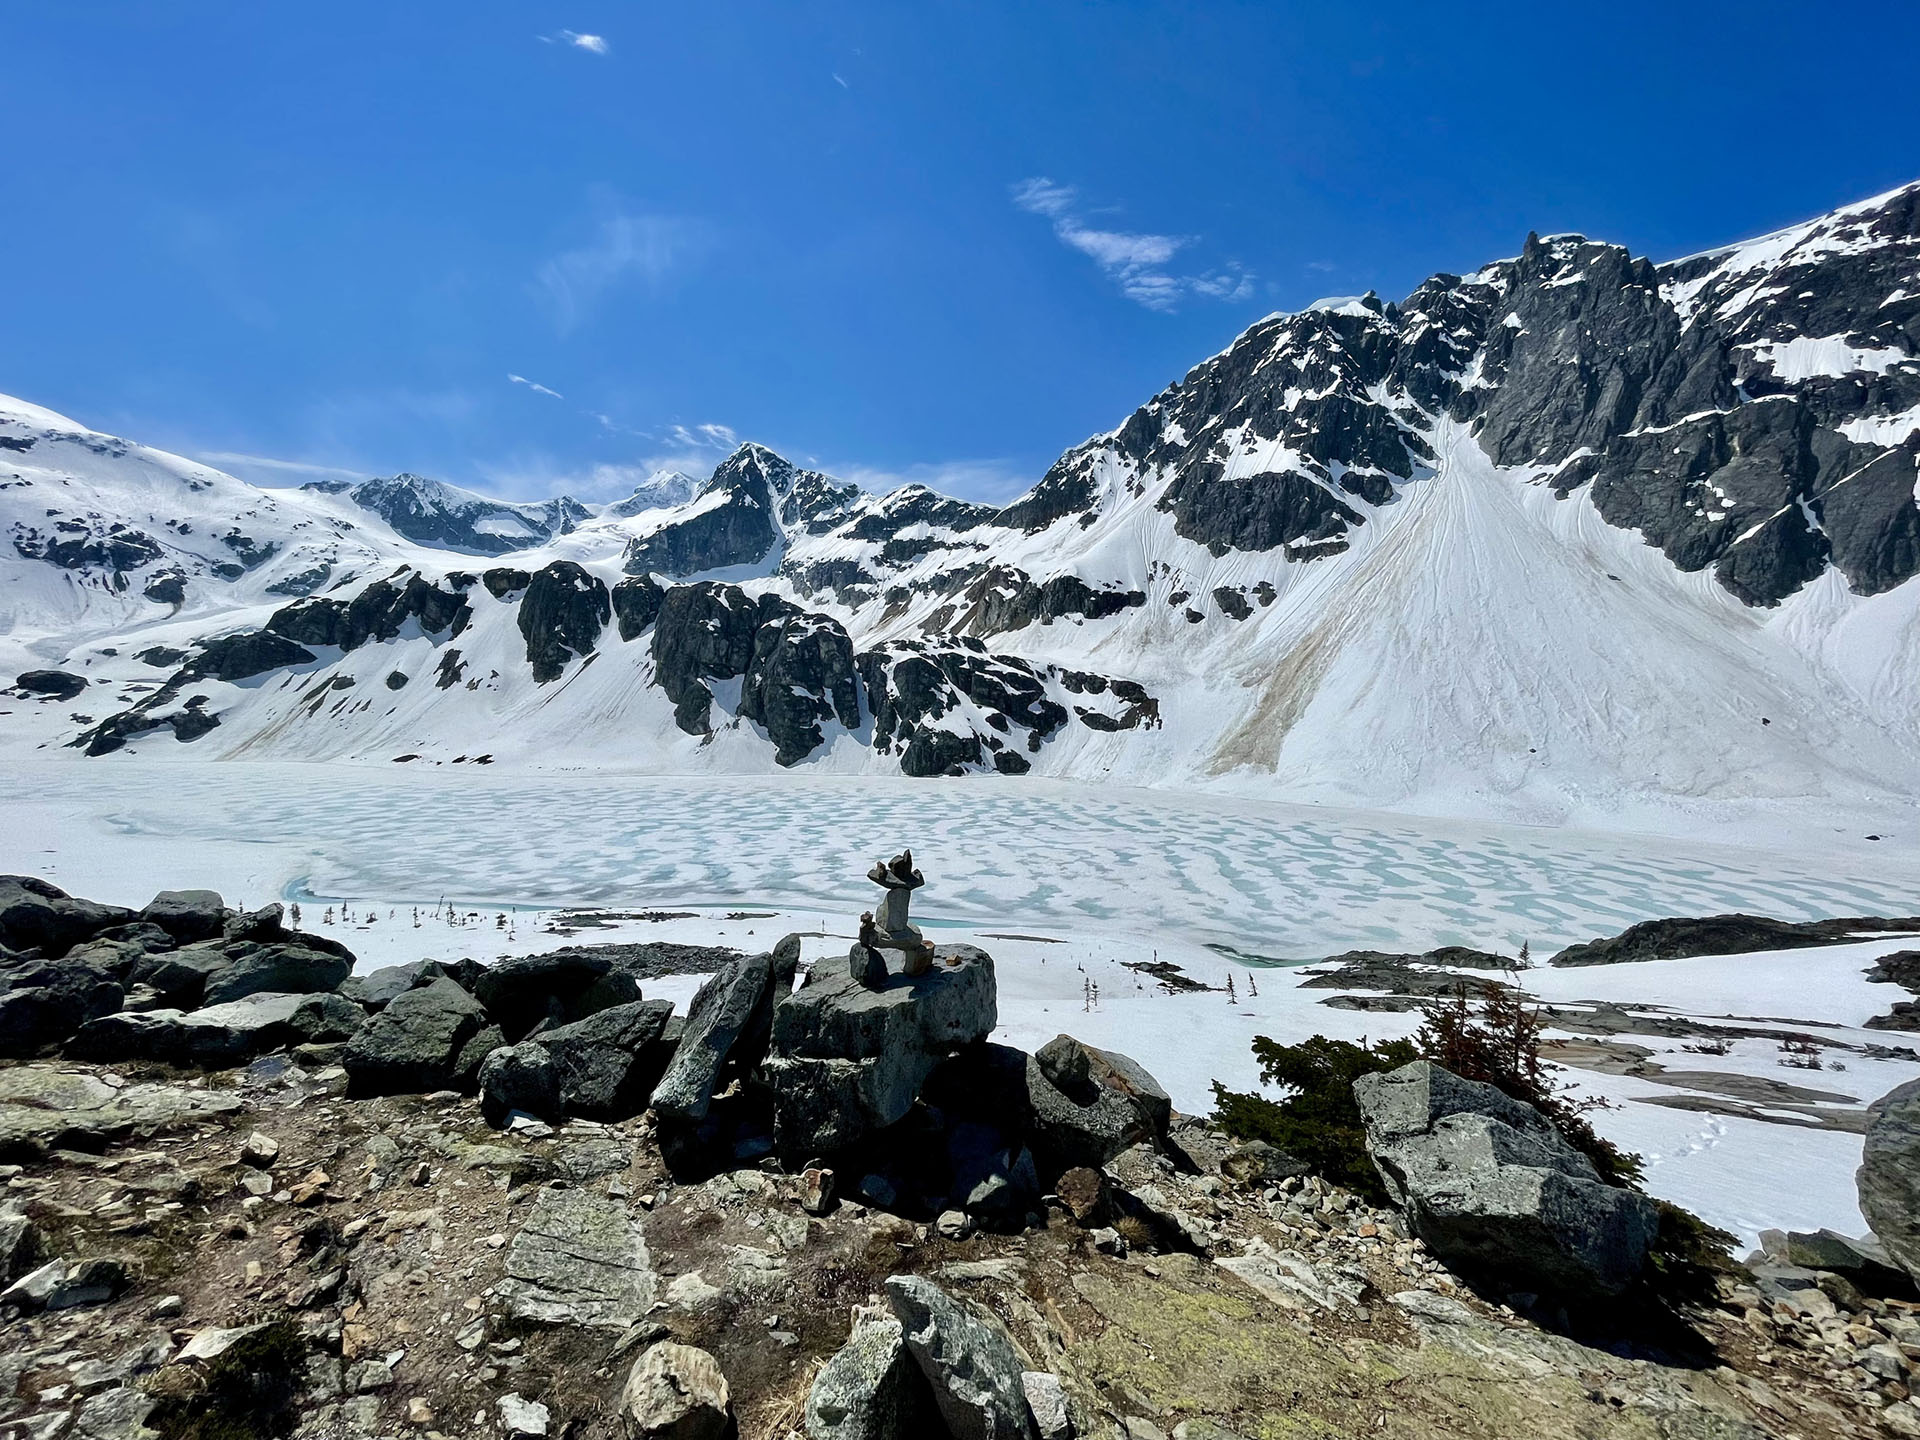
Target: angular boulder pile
{"type": "Point", "coordinates": [852, 1049]}
{"type": "Point", "coordinates": [881, 1073]}
{"type": "Point", "coordinates": [1495, 1191]}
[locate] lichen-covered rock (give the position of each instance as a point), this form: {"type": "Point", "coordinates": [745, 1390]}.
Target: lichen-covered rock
{"type": "Point", "coordinates": [676, 1392]}
{"type": "Point", "coordinates": [580, 1259]}
{"type": "Point", "coordinates": [606, 1065]}
{"type": "Point", "coordinates": [44, 1109]}
{"type": "Point", "coordinates": [872, 1388]}
{"type": "Point", "coordinates": [968, 1359]}
{"type": "Point", "coordinates": [732, 1005]}
{"type": "Point", "coordinates": [847, 1059]}
{"type": "Point", "coordinates": [1495, 1191]}
{"type": "Point", "coordinates": [216, 1036]}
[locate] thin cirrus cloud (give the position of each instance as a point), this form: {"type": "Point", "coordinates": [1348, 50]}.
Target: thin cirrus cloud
{"type": "Point", "coordinates": [1138, 263]}
{"type": "Point", "coordinates": [535, 386]}
{"type": "Point", "coordinates": [592, 44]}
{"type": "Point", "coordinates": [624, 249]}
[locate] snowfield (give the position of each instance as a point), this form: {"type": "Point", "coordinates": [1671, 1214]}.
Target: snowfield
{"type": "Point", "coordinates": [1066, 886]}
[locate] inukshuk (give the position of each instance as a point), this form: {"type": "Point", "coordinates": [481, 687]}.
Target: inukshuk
{"type": "Point", "coordinates": [889, 928]}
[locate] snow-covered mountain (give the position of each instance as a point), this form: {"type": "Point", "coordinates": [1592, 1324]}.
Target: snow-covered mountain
{"type": "Point", "coordinates": [445, 517]}
{"type": "Point", "coordinates": [1569, 535]}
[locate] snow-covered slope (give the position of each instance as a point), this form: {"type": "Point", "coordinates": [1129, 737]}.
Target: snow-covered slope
{"type": "Point", "coordinates": [1573, 537]}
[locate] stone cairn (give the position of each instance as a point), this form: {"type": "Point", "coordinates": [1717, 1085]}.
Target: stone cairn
{"type": "Point", "coordinates": [888, 928]}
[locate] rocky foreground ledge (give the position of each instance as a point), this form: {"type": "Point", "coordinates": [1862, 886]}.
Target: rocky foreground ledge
{"type": "Point", "coordinates": [832, 1210]}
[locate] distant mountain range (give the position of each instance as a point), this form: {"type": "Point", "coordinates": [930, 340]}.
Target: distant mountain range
{"type": "Point", "coordinates": [1572, 533]}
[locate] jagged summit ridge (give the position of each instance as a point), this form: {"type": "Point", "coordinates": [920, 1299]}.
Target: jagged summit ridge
{"type": "Point", "coordinates": [1573, 526]}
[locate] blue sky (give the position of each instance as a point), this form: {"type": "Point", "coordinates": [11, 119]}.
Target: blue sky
{"type": "Point", "coordinates": [929, 241]}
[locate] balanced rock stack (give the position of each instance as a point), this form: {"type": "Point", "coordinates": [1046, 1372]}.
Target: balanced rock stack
{"type": "Point", "coordinates": [889, 928]}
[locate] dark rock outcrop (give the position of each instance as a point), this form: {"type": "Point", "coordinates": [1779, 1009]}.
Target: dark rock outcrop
{"type": "Point", "coordinates": [378, 612]}
{"type": "Point", "coordinates": [536, 992]}
{"type": "Point", "coordinates": [636, 604]}
{"type": "Point", "coordinates": [44, 1002]}
{"type": "Point", "coordinates": [733, 1009]}
{"type": "Point", "coordinates": [800, 676]}
{"type": "Point", "coordinates": [562, 614]}
{"type": "Point", "coordinates": [292, 969]}
{"type": "Point", "coordinates": [1088, 1105]}
{"type": "Point", "coordinates": [187, 915]}
{"type": "Point", "coordinates": [55, 684]}
{"type": "Point", "coordinates": [418, 1043]}
{"type": "Point", "coordinates": [1722, 935]}
{"type": "Point", "coordinates": [36, 915]}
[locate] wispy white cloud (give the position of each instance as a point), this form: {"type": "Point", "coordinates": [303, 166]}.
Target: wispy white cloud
{"type": "Point", "coordinates": [593, 44]}
{"type": "Point", "coordinates": [1136, 262]}
{"type": "Point", "coordinates": [535, 386]}
{"type": "Point", "coordinates": [624, 248]}
{"type": "Point", "coordinates": [269, 470]}
{"type": "Point", "coordinates": [704, 437]}
{"type": "Point", "coordinates": [840, 82]}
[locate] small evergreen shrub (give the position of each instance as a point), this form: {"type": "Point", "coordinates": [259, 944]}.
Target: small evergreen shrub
{"type": "Point", "coordinates": [1318, 1123]}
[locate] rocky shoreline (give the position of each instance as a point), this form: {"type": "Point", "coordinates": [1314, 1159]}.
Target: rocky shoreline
{"type": "Point", "coordinates": [525, 1200]}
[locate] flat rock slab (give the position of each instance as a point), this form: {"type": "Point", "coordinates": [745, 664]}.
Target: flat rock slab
{"type": "Point", "coordinates": [43, 1109]}
{"type": "Point", "coordinates": [580, 1259]}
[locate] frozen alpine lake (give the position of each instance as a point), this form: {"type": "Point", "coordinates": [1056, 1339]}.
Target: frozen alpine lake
{"type": "Point", "coordinates": [1269, 880]}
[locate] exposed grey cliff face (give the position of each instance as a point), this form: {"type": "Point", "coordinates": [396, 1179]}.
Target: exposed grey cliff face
{"type": "Point", "coordinates": [430, 513]}
{"type": "Point", "coordinates": [740, 515]}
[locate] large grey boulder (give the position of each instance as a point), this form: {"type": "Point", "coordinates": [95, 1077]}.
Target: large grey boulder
{"type": "Point", "coordinates": [1495, 1191]}
{"type": "Point", "coordinates": [180, 976]}
{"type": "Point", "coordinates": [187, 915]}
{"type": "Point", "coordinates": [847, 1059]}
{"type": "Point", "coordinates": [518, 1078]}
{"type": "Point", "coordinates": [219, 1035]}
{"type": "Point", "coordinates": [35, 915]}
{"type": "Point", "coordinates": [1088, 1105]}
{"type": "Point", "coordinates": [580, 1259]}
{"type": "Point", "coordinates": [729, 1009]}
{"type": "Point", "coordinates": [1888, 1179]}
{"type": "Point", "coordinates": [872, 1388]}
{"type": "Point", "coordinates": [528, 992]}
{"type": "Point", "coordinates": [606, 1065]}
{"type": "Point", "coordinates": [378, 989]}
{"type": "Point", "coordinates": [968, 1359]}
{"type": "Point", "coordinates": [289, 969]}
{"type": "Point", "coordinates": [418, 1044]}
